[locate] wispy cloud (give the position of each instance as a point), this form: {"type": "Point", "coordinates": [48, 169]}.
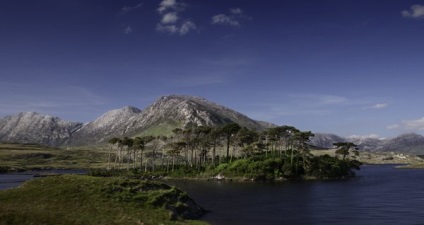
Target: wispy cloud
{"type": "Point", "coordinates": [175, 29]}
{"type": "Point", "coordinates": [236, 11]}
{"type": "Point", "coordinates": [127, 9]}
{"type": "Point", "coordinates": [169, 11]}
{"type": "Point", "coordinates": [415, 125]}
{"type": "Point", "coordinates": [416, 11]}
{"type": "Point", "coordinates": [23, 98]}
{"type": "Point", "coordinates": [378, 106]}
{"type": "Point", "coordinates": [393, 126]}
{"type": "Point", "coordinates": [128, 30]}
{"type": "Point", "coordinates": [224, 19]}
{"type": "Point", "coordinates": [231, 19]}
{"type": "Point", "coordinates": [318, 99]}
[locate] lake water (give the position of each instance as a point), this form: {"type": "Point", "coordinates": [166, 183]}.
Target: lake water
{"type": "Point", "coordinates": [379, 195]}
{"type": "Point", "coordinates": [12, 180]}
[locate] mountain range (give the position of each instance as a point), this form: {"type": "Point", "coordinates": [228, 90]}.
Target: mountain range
{"type": "Point", "coordinates": [160, 118]}
{"type": "Point", "coordinates": [410, 143]}
{"type": "Point", "coordinates": [167, 113]}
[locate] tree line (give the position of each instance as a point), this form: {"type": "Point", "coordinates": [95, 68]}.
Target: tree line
{"type": "Point", "coordinates": [200, 147]}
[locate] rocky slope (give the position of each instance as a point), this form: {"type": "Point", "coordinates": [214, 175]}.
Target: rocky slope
{"type": "Point", "coordinates": [161, 117]}
{"type": "Point", "coordinates": [31, 127]}
{"type": "Point", "coordinates": [167, 113]}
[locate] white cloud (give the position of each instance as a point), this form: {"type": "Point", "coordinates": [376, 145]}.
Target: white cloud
{"type": "Point", "coordinates": [167, 5]}
{"type": "Point", "coordinates": [169, 18]}
{"type": "Point", "coordinates": [167, 28]}
{"type": "Point", "coordinates": [225, 20]}
{"type": "Point", "coordinates": [414, 124]}
{"type": "Point", "coordinates": [186, 27]}
{"type": "Point", "coordinates": [169, 9]}
{"type": "Point", "coordinates": [233, 19]}
{"type": "Point", "coordinates": [416, 11]}
{"type": "Point", "coordinates": [127, 9]}
{"type": "Point", "coordinates": [380, 106]}
{"type": "Point", "coordinates": [174, 29]}
{"type": "Point", "coordinates": [127, 30]}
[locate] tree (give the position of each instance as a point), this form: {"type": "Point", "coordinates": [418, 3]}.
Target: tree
{"type": "Point", "coordinates": [214, 137]}
{"type": "Point", "coordinates": [146, 140]}
{"type": "Point", "coordinates": [228, 131]}
{"type": "Point", "coordinates": [128, 143]}
{"type": "Point", "coordinates": [343, 148]}
{"type": "Point", "coordinates": [113, 142]}
{"type": "Point", "coordinates": [140, 144]}
{"type": "Point", "coordinates": [175, 150]}
{"type": "Point", "coordinates": [302, 147]}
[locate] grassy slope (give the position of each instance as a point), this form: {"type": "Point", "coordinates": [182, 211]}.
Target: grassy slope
{"type": "Point", "coordinates": [73, 199]}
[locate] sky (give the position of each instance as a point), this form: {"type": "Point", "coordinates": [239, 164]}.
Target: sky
{"type": "Point", "coordinates": [348, 67]}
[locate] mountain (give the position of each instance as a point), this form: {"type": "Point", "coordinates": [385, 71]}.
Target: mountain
{"type": "Point", "coordinates": [324, 140]}
{"type": "Point", "coordinates": [164, 115]}
{"type": "Point", "coordinates": [160, 118]}
{"type": "Point", "coordinates": [112, 123]}
{"type": "Point", "coordinates": [406, 143]}
{"type": "Point", "coordinates": [31, 127]}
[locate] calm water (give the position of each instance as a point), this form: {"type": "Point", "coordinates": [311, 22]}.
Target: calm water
{"type": "Point", "coordinates": [12, 180]}
{"type": "Point", "coordinates": [380, 195]}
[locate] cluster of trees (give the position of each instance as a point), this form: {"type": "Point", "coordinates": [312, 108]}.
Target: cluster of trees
{"type": "Point", "coordinates": [201, 147]}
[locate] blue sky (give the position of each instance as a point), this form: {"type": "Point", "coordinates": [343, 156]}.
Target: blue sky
{"type": "Point", "coordinates": [350, 67]}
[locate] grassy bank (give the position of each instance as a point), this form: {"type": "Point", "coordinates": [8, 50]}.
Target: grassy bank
{"type": "Point", "coordinates": [75, 199]}
{"type": "Point", "coordinates": [29, 156]}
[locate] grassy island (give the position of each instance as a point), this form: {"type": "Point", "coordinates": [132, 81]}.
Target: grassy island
{"type": "Point", "coordinates": [85, 200]}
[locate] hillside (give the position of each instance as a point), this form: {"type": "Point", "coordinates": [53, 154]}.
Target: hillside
{"type": "Point", "coordinates": [160, 118]}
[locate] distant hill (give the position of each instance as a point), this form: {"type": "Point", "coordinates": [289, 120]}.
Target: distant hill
{"type": "Point", "coordinates": [406, 143]}
{"type": "Point", "coordinates": [164, 115]}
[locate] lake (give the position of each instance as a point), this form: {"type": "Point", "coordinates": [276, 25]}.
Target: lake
{"type": "Point", "coordinates": [12, 180]}
{"type": "Point", "coordinates": [380, 194]}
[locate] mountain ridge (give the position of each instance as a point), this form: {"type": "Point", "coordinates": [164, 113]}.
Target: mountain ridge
{"type": "Point", "coordinates": [163, 115]}
{"type": "Point", "coordinates": [160, 118]}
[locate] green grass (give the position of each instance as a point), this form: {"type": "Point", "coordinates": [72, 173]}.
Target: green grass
{"type": "Point", "coordinates": [85, 200]}
{"type": "Point", "coordinates": [25, 157]}
{"type": "Point", "coordinates": [162, 129]}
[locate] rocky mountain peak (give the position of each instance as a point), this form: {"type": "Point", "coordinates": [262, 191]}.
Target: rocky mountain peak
{"type": "Point", "coordinates": [32, 127]}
